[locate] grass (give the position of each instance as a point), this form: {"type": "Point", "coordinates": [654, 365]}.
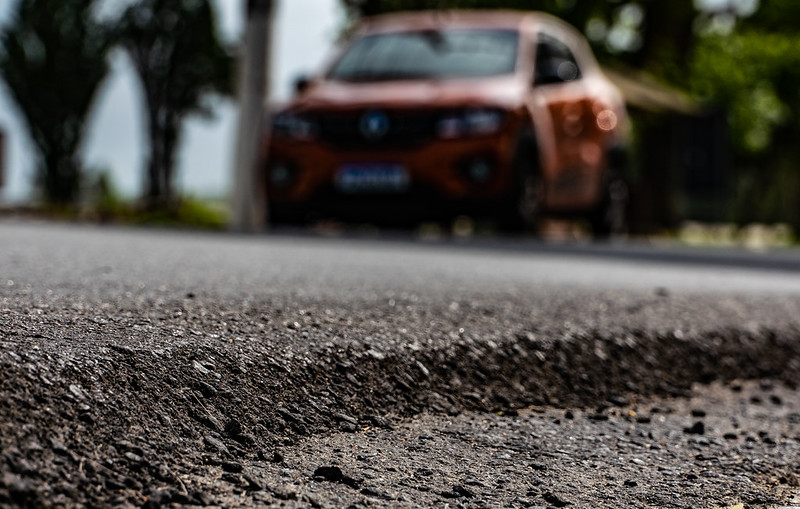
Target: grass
{"type": "Point", "coordinates": [753, 236]}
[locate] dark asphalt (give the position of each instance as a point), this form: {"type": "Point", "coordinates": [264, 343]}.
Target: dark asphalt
{"type": "Point", "coordinates": [151, 346]}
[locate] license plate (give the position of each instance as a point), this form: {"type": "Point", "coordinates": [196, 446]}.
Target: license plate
{"type": "Point", "coordinates": [372, 178]}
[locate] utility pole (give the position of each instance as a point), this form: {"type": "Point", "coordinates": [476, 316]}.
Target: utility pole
{"type": "Point", "coordinates": [249, 202]}
{"type": "Point", "coordinates": [2, 155]}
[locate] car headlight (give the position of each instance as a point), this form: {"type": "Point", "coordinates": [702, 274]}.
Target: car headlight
{"type": "Point", "coordinates": [292, 125]}
{"type": "Point", "coordinates": [470, 122]}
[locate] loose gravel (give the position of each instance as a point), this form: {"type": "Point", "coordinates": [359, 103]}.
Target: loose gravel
{"type": "Point", "coordinates": [144, 392]}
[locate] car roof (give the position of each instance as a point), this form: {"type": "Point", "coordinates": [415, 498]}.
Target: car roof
{"type": "Point", "coordinates": [526, 22]}
{"type": "Point", "coordinates": [433, 20]}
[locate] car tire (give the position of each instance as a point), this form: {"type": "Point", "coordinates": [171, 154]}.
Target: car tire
{"type": "Point", "coordinates": [521, 208]}
{"type": "Point", "coordinates": [278, 215]}
{"type": "Point", "coordinates": [610, 217]}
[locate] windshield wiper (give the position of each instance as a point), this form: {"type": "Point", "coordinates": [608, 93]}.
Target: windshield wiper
{"type": "Point", "coordinates": [385, 76]}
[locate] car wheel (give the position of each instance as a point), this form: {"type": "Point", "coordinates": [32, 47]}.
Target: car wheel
{"type": "Point", "coordinates": [610, 217]}
{"type": "Point", "coordinates": [278, 215]}
{"type": "Point", "coordinates": [521, 209]}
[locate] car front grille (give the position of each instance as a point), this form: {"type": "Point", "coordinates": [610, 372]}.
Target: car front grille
{"type": "Point", "coordinates": [406, 130]}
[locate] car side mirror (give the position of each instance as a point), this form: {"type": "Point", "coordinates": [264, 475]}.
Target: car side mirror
{"type": "Point", "coordinates": [555, 70]}
{"type": "Point", "coordinates": [545, 75]}
{"type": "Point", "coordinates": [301, 84]}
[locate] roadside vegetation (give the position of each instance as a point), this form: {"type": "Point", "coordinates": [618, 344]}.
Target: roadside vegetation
{"type": "Point", "coordinates": [180, 62]}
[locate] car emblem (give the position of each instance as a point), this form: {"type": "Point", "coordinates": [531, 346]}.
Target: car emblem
{"type": "Point", "coordinates": [374, 125]}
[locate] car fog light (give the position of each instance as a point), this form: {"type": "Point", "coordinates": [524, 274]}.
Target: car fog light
{"type": "Point", "coordinates": [479, 171]}
{"type": "Point", "coordinates": [281, 175]}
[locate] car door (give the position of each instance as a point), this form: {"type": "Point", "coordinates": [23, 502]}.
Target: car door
{"type": "Point", "coordinates": [563, 119]}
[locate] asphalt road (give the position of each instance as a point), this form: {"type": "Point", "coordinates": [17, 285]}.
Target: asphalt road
{"type": "Point", "coordinates": [195, 368]}
{"type": "Point", "coordinates": [99, 261]}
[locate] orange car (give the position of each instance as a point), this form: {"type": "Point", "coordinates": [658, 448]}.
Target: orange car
{"type": "Point", "coordinates": [494, 114]}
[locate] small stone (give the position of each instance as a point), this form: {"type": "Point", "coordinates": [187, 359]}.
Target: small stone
{"type": "Point", "coordinates": [464, 492]}
{"type": "Point", "coordinates": [348, 427]}
{"type": "Point", "coordinates": [133, 484]}
{"type": "Point", "coordinates": [233, 478]}
{"type": "Point", "coordinates": [380, 422]}
{"type": "Point", "coordinates": [133, 457]}
{"type": "Point", "coordinates": [331, 474]}
{"type": "Point", "coordinates": [345, 418]}
{"type": "Point", "coordinates": [215, 445]}
{"type": "Point", "coordinates": [698, 413]}
{"type": "Point", "coordinates": [199, 367]}
{"type": "Point", "coordinates": [253, 484]}
{"type": "Point", "coordinates": [208, 390]}
{"type": "Point", "coordinates": [202, 498]}
{"type": "Point", "coordinates": [233, 428]}
{"type": "Point", "coordinates": [697, 429]}
{"type": "Point", "coordinates": [232, 466]}
{"type": "Point", "coordinates": [335, 474]}
{"type": "Point", "coordinates": [630, 484]}
{"type": "Point", "coordinates": [77, 391]}
{"type": "Point", "coordinates": [555, 500]}
{"type": "Point", "coordinates": [776, 400]}
{"type": "Point", "coordinates": [458, 492]}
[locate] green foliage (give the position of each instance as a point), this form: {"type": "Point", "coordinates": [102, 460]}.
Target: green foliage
{"type": "Point", "coordinates": [185, 213]}
{"type": "Point", "coordinates": [754, 72]}
{"type": "Point", "coordinates": [751, 73]}
{"type": "Point", "coordinates": [53, 60]}
{"type": "Point", "coordinates": [180, 61]}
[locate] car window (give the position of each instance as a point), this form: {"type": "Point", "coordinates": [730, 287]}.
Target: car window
{"type": "Point", "coordinates": [429, 54]}
{"type": "Point", "coordinates": [555, 62]}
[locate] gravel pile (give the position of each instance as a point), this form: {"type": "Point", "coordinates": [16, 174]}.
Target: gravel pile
{"type": "Point", "coordinates": [194, 403]}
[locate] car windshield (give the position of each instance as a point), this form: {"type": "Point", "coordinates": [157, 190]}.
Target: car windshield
{"type": "Point", "coordinates": [429, 54]}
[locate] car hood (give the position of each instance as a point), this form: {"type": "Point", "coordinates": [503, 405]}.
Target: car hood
{"type": "Point", "coordinates": [506, 92]}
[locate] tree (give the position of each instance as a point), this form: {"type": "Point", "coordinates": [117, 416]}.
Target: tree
{"type": "Point", "coordinates": [180, 61]}
{"type": "Point", "coordinates": [53, 60]}
{"type": "Point", "coordinates": [751, 68]}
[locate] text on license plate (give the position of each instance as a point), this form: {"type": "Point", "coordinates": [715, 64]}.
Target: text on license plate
{"type": "Point", "coordinates": [366, 178]}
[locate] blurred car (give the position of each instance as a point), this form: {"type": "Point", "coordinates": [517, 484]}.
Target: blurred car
{"type": "Point", "coordinates": [505, 115]}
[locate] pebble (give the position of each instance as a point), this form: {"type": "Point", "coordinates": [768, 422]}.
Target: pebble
{"type": "Point", "coordinates": [698, 428]}
{"type": "Point", "coordinates": [380, 422]}
{"type": "Point", "coordinates": [215, 445]}
{"type": "Point", "coordinates": [345, 418]}
{"type": "Point", "coordinates": [332, 474]}
{"type": "Point", "coordinates": [232, 466]}
{"type": "Point", "coordinates": [555, 500]}
{"type": "Point", "coordinates": [233, 428]}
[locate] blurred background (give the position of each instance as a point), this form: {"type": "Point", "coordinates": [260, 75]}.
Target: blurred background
{"type": "Point", "coordinates": [115, 141]}
{"type": "Point", "coordinates": [712, 87]}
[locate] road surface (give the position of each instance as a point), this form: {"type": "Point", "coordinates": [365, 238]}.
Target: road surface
{"type": "Point", "coordinates": [155, 367]}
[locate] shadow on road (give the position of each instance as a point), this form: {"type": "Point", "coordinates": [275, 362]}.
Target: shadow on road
{"type": "Point", "coordinates": [635, 250]}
